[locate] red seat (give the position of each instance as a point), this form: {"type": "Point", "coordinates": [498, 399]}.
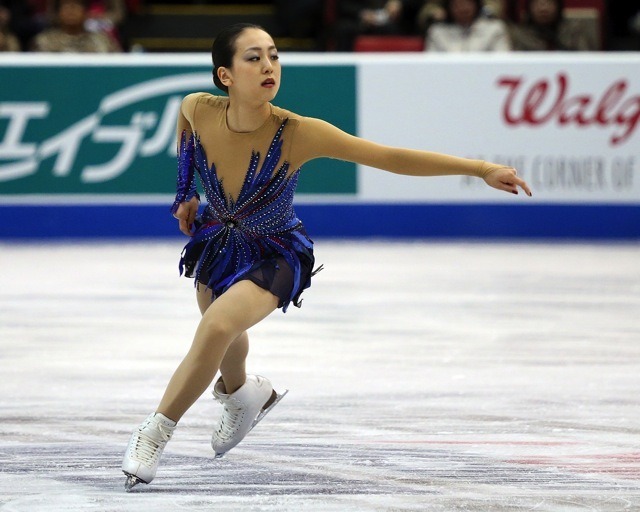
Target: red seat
{"type": "Point", "coordinates": [389, 44]}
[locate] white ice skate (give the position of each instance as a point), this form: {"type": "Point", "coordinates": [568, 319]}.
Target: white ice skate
{"type": "Point", "coordinates": [242, 411]}
{"type": "Point", "coordinates": [145, 448]}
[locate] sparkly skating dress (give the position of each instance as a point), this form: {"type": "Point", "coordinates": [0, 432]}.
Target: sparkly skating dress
{"type": "Point", "coordinates": [249, 229]}
{"type": "Point", "coordinates": [253, 234]}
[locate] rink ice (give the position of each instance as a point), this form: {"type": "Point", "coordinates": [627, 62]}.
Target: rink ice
{"type": "Point", "coordinates": [422, 376]}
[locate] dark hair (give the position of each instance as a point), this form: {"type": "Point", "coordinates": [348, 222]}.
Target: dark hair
{"type": "Point", "coordinates": [447, 8]}
{"type": "Point", "coordinates": [224, 48]}
{"type": "Point", "coordinates": [528, 19]}
{"type": "Point", "coordinates": [58, 3]}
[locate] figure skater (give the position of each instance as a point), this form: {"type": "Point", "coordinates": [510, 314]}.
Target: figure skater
{"type": "Point", "coordinates": [248, 252]}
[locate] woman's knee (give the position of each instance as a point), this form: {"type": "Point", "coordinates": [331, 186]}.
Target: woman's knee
{"type": "Point", "coordinates": [218, 330]}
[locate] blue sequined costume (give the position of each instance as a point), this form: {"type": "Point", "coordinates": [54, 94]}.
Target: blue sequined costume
{"type": "Point", "coordinates": [257, 236]}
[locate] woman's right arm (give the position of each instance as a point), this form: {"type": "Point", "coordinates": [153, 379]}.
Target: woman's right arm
{"type": "Point", "coordinates": [185, 206]}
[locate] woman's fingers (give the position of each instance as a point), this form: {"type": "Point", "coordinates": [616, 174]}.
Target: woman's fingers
{"type": "Point", "coordinates": [506, 178]}
{"type": "Point", "coordinates": [514, 182]}
{"type": "Point", "coordinates": [186, 215]}
{"type": "Point", "coordinates": [523, 185]}
{"type": "Point", "coordinates": [185, 227]}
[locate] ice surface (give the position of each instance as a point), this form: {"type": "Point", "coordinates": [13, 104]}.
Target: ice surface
{"type": "Point", "coordinates": [422, 376]}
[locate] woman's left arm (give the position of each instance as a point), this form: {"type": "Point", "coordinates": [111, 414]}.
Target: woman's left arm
{"type": "Point", "coordinates": [316, 138]}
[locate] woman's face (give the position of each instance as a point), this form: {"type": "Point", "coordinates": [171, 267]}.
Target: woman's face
{"type": "Point", "coordinates": [543, 12]}
{"type": "Point", "coordinates": [463, 12]}
{"type": "Point", "coordinates": [255, 70]}
{"type": "Point", "coordinates": [71, 14]}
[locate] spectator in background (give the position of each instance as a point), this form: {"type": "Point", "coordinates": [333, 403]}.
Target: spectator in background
{"type": "Point", "coordinates": [465, 29]}
{"type": "Point", "coordinates": [70, 34]}
{"type": "Point", "coordinates": [433, 11]}
{"type": "Point", "coordinates": [102, 16]}
{"type": "Point", "coordinates": [623, 26]}
{"type": "Point", "coordinates": [113, 12]}
{"type": "Point", "coordinates": [379, 17]}
{"type": "Point", "coordinates": [27, 18]}
{"type": "Point", "coordinates": [106, 16]}
{"type": "Point", "coordinates": [634, 29]}
{"type": "Point", "coordinates": [8, 41]}
{"type": "Point", "coordinates": [544, 28]}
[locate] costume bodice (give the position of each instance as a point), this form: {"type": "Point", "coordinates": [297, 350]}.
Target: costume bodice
{"type": "Point", "coordinates": [234, 234]}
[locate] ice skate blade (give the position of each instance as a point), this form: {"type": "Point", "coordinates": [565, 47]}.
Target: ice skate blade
{"type": "Point", "coordinates": [273, 401]}
{"type": "Point", "coordinates": [131, 482]}
{"type": "Point", "coordinates": [264, 412]}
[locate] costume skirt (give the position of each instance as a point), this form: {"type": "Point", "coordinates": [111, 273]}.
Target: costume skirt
{"type": "Point", "coordinates": [285, 272]}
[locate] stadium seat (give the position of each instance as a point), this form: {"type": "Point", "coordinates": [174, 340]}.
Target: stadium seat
{"type": "Point", "coordinates": [389, 44]}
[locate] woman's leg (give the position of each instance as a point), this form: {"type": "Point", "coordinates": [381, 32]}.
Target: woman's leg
{"type": "Point", "coordinates": [225, 320]}
{"type": "Point", "coordinates": [232, 367]}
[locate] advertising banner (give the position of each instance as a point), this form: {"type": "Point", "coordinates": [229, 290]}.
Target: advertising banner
{"type": "Point", "coordinates": [569, 123]}
{"type": "Point", "coordinates": [87, 143]}
{"type": "Point", "coordinates": [104, 130]}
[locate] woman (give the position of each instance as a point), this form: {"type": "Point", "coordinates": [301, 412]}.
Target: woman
{"type": "Point", "coordinates": [546, 29]}
{"type": "Point", "coordinates": [8, 40]}
{"type": "Point", "coordinates": [248, 252]}
{"type": "Point", "coordinates": [466, 30]}
{"type": "Point", "coordinates": [70, 35]}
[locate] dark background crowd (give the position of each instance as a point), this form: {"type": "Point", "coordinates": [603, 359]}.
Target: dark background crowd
{"type": "Point", "coordinates": [330, 25]}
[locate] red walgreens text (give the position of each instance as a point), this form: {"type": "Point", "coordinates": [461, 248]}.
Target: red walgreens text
{"type": "Point", "coordinates": [540, 104]}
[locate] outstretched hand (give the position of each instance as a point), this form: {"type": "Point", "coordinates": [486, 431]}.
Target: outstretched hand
{"type": "Point", "coordinates": [186, 214]}
{"type": "Point", "coordinates": [504, 178]}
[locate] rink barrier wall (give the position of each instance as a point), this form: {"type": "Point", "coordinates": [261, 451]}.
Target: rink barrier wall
{"type": "Point", "coordinates": [490, 221]}
{"type": "Point", "coordinates": [106, 168]}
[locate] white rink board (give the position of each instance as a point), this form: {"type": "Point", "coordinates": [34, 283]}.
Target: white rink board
{"type": "Point", "coordinates": [569, 124]}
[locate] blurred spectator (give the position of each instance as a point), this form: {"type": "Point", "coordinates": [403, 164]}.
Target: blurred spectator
{"type": "Point", "coordinates": [379, 17]}
{"type": "Point", "coordinates": [465, 29]}
{"type": "Point", "coordinates": [433, 11]}
{"type": "Point", "coordinates": [28, 18]}
{"type": "Point", "coordinates": [634, 28]}
{"type": "Point", "coordinates": [623, 20]}
{"type": "Point", "coordinates": [545, 28]}
{"type": "Point", "coordinates": [102, 16]}
{"type": "Point", "coordinates": [8, 41]}
{"type": "Point", "coordinates": [70, 34]}
{"type": "Point", "coordinates": [106, 16]}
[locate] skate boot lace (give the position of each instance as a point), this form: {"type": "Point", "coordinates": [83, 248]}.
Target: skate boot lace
{"type": "Point", "coordinates": [230, 420]}
{"type": "Point", "coordinates": [146, 449]}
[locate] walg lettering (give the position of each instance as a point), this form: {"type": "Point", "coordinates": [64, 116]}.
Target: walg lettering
{"type": "Point", "coordinates": [545, 102]}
